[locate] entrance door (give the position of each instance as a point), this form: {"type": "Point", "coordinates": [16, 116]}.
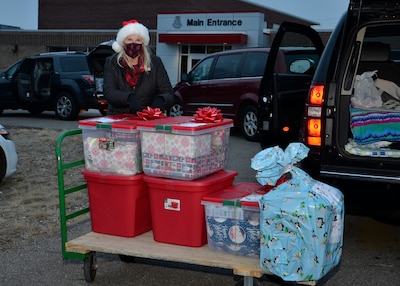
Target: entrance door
{"type": "Point", "coordinates": [193, 59]}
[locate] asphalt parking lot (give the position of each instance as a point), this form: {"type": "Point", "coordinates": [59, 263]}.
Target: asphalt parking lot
{"type": "Point", "coordinates": [371, 252]}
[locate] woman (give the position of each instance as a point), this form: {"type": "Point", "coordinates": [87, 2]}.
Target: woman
{"type": "Point", "coordinates": [133, 78]}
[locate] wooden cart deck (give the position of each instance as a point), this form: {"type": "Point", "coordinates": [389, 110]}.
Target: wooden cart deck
{"type": "Point", "coordinates": [144, 246]}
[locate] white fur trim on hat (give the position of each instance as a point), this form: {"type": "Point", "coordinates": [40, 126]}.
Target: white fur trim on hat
{"type": "Point", "coordinates": [131, 28]}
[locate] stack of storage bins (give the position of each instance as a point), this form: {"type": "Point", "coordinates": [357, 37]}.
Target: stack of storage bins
{"type": "Point", "coordinates": [183, 161]}
{"type": "Point", "coordinates": [118, 196]}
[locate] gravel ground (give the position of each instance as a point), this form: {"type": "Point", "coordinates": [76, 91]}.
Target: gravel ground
{"type": "Point", "coordinates": [29, 199]}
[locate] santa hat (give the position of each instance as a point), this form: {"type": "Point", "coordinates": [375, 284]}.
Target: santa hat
{"type": "Point", "coordinates": [132, 27]}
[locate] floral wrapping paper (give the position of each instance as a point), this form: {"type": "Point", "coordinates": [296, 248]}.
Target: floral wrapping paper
{"type": "Point", "coordinates": [176, 144]}
{"type": "Point", "coordinates": [117, 157]}
{"type": "Point", "coordinates": [185, 157]}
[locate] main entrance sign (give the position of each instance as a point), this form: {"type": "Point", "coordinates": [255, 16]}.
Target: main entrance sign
{"type": "Point", "coordinates": [213, 22]}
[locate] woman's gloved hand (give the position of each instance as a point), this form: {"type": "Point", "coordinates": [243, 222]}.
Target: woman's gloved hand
{"type": "Point", "coordinates": [134, 104]}
{"type": "Point", "coordinates": [159, 103]}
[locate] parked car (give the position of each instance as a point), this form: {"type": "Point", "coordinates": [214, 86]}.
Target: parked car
{"type": "Point", "coordinates": [8, 154]}
{"type": "Point", "coordinates": [352, 143]}
{"type": "Point", "coordinates": [63, 82]}
{"type": "Point", "coordinates": [230, 80]}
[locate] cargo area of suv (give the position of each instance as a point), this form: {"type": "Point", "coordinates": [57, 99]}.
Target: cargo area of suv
{"type": "Point", "coordinates": [352, 113]}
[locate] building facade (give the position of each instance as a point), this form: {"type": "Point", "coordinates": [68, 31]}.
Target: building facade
{"type": "Point", "coordinates": [181, 32]}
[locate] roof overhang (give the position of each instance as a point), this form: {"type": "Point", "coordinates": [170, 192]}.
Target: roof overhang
{"type": "Point", "coordinates": [198, 38]}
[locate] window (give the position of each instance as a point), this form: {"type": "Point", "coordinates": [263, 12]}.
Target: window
{"type": "Point", "coordinates": [74, 64]}
{"type": "Point", "coordinates": [202, 71]}
{"type": "Point", "coordinates": [227, 66]}
{"type": "Point", "coordinates": [254, 64]}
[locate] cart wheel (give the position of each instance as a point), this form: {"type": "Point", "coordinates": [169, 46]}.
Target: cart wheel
{"type": "Point", "coordinates": [256, 282]}
{"type": "Point", "coordinates": [127, 258]}
{"type": "Point", "coordinates": [90, 267]}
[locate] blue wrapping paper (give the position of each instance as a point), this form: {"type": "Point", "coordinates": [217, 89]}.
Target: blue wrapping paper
{"type": "Point", "coordinates": [272, 163]}
{"type": "Point", "coordinates": [301, 225]}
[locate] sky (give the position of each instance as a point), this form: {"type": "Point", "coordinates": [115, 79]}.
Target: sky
{"type": "Point", "coordinates": [19, 13]}
{"type": "Point", "coordinates": [325, 12]}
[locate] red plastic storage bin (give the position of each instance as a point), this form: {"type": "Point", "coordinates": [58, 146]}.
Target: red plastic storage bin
{"type": "Point", "coordinates": [233, 219]}
{"type": "Point", "coordinates": [119, 205]}
{"type": "Point", "coordinates": [176, 209]}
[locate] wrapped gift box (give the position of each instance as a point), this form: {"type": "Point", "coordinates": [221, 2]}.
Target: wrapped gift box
{"type": "Point", "coordinates": [112, 144]}
{"type": "Point", "coordinates": [176, 210]}
{"type": "Point", "coordinates": [180, 148]}
{"type": "Point", "coordinates": [233, 219]}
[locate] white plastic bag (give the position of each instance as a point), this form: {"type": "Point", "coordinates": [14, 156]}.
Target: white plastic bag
{"type": "Point", "coordinates": [366, 94]}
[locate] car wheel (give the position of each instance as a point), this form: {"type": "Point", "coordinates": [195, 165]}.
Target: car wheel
{"type": "Point", "coordinates": [248, 122]}
{"type": "Point", "coordinates": [65, 107]}
{"type": "Point", "coordinates": [176, 110]}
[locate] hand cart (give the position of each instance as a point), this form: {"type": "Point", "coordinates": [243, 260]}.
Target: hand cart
{"type": "Point", "coordinates": [86, 246]}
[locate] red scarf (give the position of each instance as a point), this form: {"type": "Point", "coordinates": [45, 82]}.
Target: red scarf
{"type": "Point", "coordinates": [132, 75]}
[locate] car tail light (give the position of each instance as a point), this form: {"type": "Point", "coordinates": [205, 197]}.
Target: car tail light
{"type": "Point", "coordinates": [316, 94]}
{"type": "Point", "coordinates": [4, 132]}
{"type": "Point", "coordinates": [89, 78]}
{"type": "Point", "coordinates": [313, 116]}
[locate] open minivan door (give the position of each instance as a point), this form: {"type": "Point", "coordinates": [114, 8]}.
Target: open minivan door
{"type": "Point", "coordinates": [282, 96]}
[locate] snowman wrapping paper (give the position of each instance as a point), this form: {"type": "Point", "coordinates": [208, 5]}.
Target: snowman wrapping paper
{"type": "Point", "coordinates": [301, 219]}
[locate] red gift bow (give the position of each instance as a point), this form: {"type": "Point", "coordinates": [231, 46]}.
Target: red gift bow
{"type": "Point", "coordinates": [150, 113]}
{"type": "Point", "coordinates": [124, 23]}
{"type": "Point", "coordinates": [208, 114]}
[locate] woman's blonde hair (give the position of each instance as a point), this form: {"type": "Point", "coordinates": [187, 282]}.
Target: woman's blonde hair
{"type": "Point", "coordinates": [145, 54]}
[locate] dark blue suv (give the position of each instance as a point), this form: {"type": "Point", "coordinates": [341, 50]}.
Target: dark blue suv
{"type": "Point", "coordinates": [63, 82]}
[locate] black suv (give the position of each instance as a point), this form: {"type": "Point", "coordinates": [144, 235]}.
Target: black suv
{"type": "Point", "coordinates": [352, 142]}
{"type": "Point", "coordinates": [66, 82]}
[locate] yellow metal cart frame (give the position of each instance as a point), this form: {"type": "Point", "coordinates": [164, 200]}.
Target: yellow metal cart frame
{"type": "Point", "coordinates": [144, 246]}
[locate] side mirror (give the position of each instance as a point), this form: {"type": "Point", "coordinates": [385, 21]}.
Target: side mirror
{"type": "Point", "coordinates": [302, 66]}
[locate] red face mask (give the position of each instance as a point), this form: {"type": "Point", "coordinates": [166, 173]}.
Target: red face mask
{"type": "Point", "coordinates": [133, 49]}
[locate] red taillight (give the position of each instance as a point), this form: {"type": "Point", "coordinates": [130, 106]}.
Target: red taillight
{"type": "Point", "coordinates": [314, 116]}
{"type": "Point", "coordinates": [89, 78]}
{"type": "Point", "coordinates": [314, 127]}
{"type": "Point", "coordinates": [316, 94]}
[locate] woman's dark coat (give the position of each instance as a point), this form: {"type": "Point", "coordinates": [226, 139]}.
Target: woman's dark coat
{"type": "Point", "coordinates": [150, 84]}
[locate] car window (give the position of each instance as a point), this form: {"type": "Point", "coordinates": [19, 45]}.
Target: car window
{"type": "Point", "coordinates": [202, 70]}
{"type": "Point", "coordinates": [8, 74]}
{"type": "Point", "coordinates": [254, 64]}
{"type": "Point", "coordinates": [227, 66]}
{"type": "Point", "coordinates": [377, 48]}
{"type": "Point", "coordinates": [74, 64]}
